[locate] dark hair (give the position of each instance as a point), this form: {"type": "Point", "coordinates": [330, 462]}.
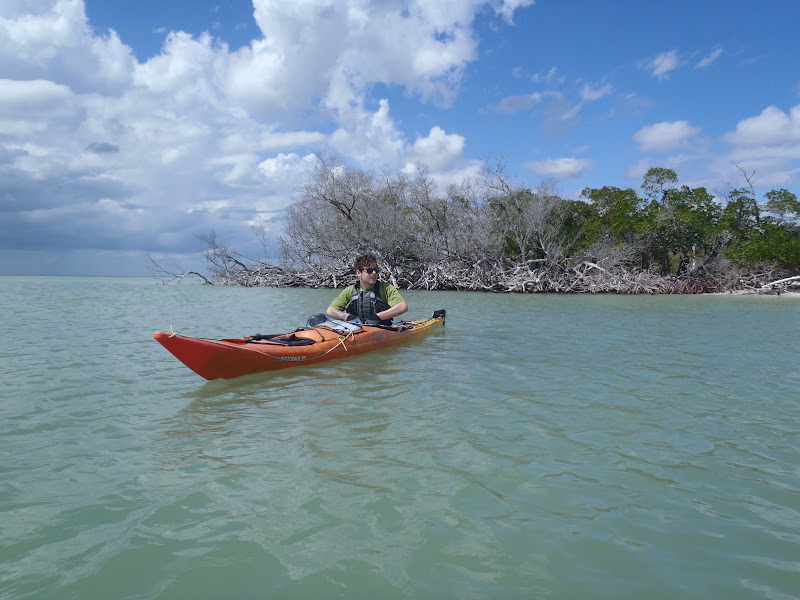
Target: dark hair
{"type": "Point", "coordinates": [364, 260]}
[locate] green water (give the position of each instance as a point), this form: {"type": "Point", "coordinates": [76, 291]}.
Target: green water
{"type": "Point", "coordinates": [538, 447]}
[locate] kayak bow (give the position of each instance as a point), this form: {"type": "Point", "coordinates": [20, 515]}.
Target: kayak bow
{"type": "Point", "coordinates": [332, 339]}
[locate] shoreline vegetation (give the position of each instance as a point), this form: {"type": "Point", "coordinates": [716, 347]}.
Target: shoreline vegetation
{"type": "Point", "coordinates": [491, 234]}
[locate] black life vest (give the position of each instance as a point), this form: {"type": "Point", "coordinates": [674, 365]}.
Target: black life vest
{"type": "Point", "coordinates": [366, 304]}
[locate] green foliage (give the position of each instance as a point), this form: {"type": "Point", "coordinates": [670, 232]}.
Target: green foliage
{"type": "Point", "coordinates": [772, 244]}
{"type": "Point", "coordinates": [738, 216]}
{"type": "Point", "coordinates": [618, 213]}
{"type": "Point", "coordinates": [657, 181]}
{"type": "Point", "coordinates": [580, 225]}
{"type": "Point", "coordinates": [679, 228]}
{"type": "Point", "coordinates": [758, 240]}
{"type": "Point", "coordinates": [407, 221]}
{"type": "Point", "coordinates": [783, 203]}
{"type": "Point", "coordinates": [741, 213]}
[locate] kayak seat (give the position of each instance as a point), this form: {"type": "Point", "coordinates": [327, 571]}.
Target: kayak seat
{"type": "Point", "coordinates": [292, 340]}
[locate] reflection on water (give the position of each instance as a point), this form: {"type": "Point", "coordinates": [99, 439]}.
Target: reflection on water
{"type": "Point", "coordinates": [539, 446]}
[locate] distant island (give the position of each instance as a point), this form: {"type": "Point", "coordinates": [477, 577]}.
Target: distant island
{"type": "Point", "coordinates": [490, 234]}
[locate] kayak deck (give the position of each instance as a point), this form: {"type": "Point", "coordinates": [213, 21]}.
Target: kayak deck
{"type": "Point", "coordinates": [229, 358]}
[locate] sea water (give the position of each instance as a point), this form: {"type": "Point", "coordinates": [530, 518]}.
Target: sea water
{"type": "Point", "coordinates": [539, 446]}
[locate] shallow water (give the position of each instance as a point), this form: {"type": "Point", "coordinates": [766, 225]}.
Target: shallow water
{"type": "Point", "coordinates": [539, 446]}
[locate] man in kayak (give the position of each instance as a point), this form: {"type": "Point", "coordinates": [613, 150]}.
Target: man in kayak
{"type": "Point", "coordinates": [370, 300]}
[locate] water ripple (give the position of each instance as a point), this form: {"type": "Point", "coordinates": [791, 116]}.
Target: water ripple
{"type": "Point", "coordinates": [537, 447]}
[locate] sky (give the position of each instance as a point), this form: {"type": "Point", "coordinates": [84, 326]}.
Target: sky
{"type": "Point", "coordinates": [129, 128]}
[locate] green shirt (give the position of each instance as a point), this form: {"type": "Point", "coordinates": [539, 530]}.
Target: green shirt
{"type": "Point", "coordinates": [387, 292]}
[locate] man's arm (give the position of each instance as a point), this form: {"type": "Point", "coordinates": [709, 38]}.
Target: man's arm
{"type": "Point", "coordinates": [395, 301]}
{"type": "Point", "coordinates": [336, 309]}
{"type": "Point", "coordinates": [335, 313]}
{"type": "Point", "coordinates": [397, 309]}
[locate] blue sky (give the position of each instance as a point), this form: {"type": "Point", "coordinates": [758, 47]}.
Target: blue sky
{"type": "Point", "coordinates": [131, 127]}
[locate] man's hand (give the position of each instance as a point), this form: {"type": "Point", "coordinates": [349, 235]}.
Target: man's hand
{"type": "Point", "coordinates": [337, 314]}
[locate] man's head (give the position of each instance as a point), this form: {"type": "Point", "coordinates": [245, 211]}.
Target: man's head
{"type": "Point", "coordinates": [367, 270]}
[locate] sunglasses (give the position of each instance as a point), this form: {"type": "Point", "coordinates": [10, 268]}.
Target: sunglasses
{"type": "Point", "coordinates": [371, 270]}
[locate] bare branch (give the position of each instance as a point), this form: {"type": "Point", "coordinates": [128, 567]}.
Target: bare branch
{"type": "Point", "coordinates": [156, 268]}
{"type": "Point", "coordinates": [749, 180]}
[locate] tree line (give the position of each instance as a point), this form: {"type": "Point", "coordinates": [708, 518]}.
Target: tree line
{"type": "Point", "coordinates": [491, 233]}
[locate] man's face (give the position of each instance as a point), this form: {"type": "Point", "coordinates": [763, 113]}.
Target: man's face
{"type": "Point", "coordinates": [366, 278]}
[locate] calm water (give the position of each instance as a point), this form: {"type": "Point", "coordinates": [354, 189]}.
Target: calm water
{"type": "Point", "coordinates": [538, 447]}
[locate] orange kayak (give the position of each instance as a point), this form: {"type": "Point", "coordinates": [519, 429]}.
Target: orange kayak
{"type": "Point", "coordinates": [332, 339]}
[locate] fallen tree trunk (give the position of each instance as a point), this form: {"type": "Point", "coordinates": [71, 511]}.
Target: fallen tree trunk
{"type": "Point", "coordinates": [781, 285]}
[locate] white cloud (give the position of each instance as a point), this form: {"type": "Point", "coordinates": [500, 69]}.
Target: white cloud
{"type": "Point", "coordinates": [709, 59]}
{"type": "Point", "coordinates": [590, 92]}
{"type": "Point", "coordinates": [349, 46]}
{"type": "Point", "coordinates": [559, 107]}
{"type": "Point", "coordinates": [369, 138]}
{"type": "Point", "coordinates": [145, 155]}
{"type": "Point", "coordinates": [665, 136]}
{"type": "Point", "coordinates": [663, 64]}
{"type": "Point", "coordinates": [438, 150]}
{"type": "Point", "coordinates": [506, 8]}
{"type": "Point", "coordinates": [771, 127]}
{"type": "Point", "coordinates": [53, 40]}
{"type": "Point", "coordinates": [551, 77]}
{"type": "Point", "coordinates": [638, 170]}
{"type": "Point", "coordinates": [769, 144]}
{"type": "Point", "coordinates": [287, 164]}
{"type": "Point", "coordinates": [560, 167]}
{"type": "Point", "coordinates": [771, 169]}
{"type": "Point", "coordinates": [514, 104]}
{"type": "Point", "coordinates": [443, 155]}
{"type": "Point", "coordinates": [35, 99]}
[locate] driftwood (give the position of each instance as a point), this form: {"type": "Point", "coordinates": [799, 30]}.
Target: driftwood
{"type": "Point", "coordinates": [486, 275]}
{"type": "Point", "coordinates": [781, 285]}
{"type": "Point", "coordinates": [154, 267]}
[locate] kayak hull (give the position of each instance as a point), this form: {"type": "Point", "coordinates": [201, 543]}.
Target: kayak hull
{"type": "Point", "coordinates": [230, 358]}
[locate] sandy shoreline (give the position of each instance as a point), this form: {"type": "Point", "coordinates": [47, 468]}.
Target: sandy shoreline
{"type": "Point", "coordinates": [793, 293]}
